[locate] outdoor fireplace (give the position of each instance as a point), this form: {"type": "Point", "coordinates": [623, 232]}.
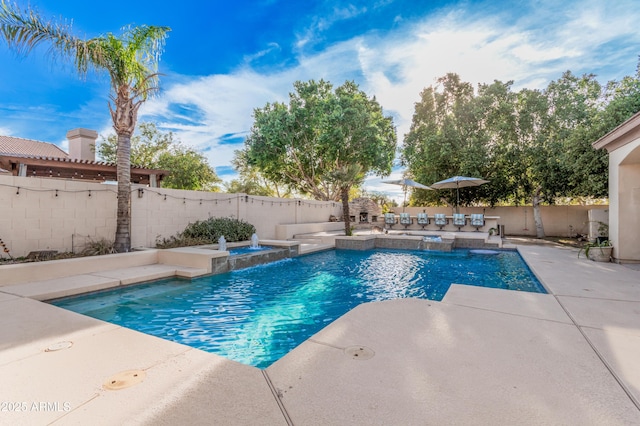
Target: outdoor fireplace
{"type": "Point", "coordinates": [364, 210]}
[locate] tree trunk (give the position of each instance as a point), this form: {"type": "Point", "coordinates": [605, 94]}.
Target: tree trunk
{"type": "Point", "coordinates": [344, 193]}
{"type": "Point", "coordinates": [123, 221]}
{"type": "Point", "coordinates": [124, 116]}
{"type": "Point", "coordinates": [537, 216]}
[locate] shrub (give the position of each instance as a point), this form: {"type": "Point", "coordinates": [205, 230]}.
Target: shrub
{"type": "Point", "coordinates": [179, 241]}
{"type": "Point", "coordinates": [209, 231]}
{"type": "Point", "coordinates": [98, 247]}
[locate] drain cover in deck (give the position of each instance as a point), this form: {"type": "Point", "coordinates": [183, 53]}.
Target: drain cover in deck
{"type": "Point", "coordinates": [59, 346]}
{"type": "Point", "coordinates": [124, 380]}
{"type": "Point", "coordinates": [359, 352]}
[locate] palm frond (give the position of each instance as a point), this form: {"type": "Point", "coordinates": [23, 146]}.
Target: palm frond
{"type": "Point", "coordinates": [24, 30]}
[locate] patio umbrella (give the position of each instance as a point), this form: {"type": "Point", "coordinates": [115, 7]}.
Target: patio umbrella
{"type": "Point", "coordinates": [458, 182]}
{"type": "Point", "coordinates": [404, 183]}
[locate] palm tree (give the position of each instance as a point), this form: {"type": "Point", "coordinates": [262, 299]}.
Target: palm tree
{"type": "Point", "coordinates": [131, 60]}
{"type": "Point", "coordinates": [345, 177]}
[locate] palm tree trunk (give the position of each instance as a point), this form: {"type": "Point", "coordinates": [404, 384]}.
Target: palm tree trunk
{"type": "Point", "coordinates": [124, 116]}
{"type": "Point", "coordinates": [344, 194]}
{"type": "Point", "coordinates": [123, 221]}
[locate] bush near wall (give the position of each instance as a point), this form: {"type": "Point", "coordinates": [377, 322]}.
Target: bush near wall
{"type": "Point", "coordinates": [209, 232]}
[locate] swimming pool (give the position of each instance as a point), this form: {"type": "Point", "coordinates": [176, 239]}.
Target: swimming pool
{"type": "Point", "coordinates": [257, 315]}
{"type": "Point", "coordinates": [247, 250]}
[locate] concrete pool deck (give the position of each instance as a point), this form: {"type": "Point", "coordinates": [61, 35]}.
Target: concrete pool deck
{"type": "Point", "coordinates": [481, 356]}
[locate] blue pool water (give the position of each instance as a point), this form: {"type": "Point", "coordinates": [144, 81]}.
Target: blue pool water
{"type": "Point", "coordinates": [247, 250]}
{"type": "Point", "coordinates": [257, 315]}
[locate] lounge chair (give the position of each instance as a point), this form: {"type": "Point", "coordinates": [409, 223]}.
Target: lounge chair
{"type": "Point", "coordinates": [477, 220]}
{"type": "Point", "coordinates": [459, 220]}
{"type": "Point", "coordinates": [423, 219]}
{"type": "Point", "coordinates": [389, 219]}
{"type": "Point", "coordinates": [440, 220]}
{"type": "Point", "coordinates": [405, 220]}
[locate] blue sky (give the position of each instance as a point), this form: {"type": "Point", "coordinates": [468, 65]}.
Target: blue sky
{"type": "Point", "coordinates": [223, 59]}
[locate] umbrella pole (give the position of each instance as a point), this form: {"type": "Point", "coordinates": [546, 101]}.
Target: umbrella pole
{"type": "Point", "coordinates": [404, 201]}
{"type": "Point", "coordinates": [457, 197]}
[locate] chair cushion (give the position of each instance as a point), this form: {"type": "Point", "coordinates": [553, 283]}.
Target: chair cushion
{"type": "Point", "coordinates": [477, 219]}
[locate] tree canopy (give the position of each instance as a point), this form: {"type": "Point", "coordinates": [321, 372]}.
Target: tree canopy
{"type": "Point", "coordinates": [301, 145]}
{"type": "Point", "coordinates": [252, 181]}
{"type": "Point", "coordinates": [324, 142]}
{"type": "Point", "coordinates": [153, 149]}
{"type": "Point", "coordinates": [131, 60]}
{"type": "Point", "coordinates": [533, 145]}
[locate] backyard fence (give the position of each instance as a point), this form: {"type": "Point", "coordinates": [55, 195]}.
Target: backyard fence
{"type": "Point", "coordinates": [53, 214]}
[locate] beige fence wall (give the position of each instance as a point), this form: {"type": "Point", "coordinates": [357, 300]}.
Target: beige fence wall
{"type": "Point", "coordinates": [160, 213]}
{"type": "Point", "coordinates": [558, 221]}
{"type": "Point", "coordinates": [53, 214]}
{"type": "Point", "coordinates": [42, 214]}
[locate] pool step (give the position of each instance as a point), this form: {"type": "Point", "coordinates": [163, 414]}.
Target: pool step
{"type": "Point", "coordinates": [306, 247]}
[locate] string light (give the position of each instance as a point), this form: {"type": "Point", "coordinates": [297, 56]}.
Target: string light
{"type": "Point", "coordinates": [200, 201]}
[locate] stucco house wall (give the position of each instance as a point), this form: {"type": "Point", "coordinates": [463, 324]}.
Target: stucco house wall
{"type": "Point", "coordinates": [623, 146]}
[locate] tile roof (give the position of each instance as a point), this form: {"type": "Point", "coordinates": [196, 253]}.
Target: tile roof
{"type": "Point", "coordinates": [76, 161]}
{"type": "Point", "coordinates": [34, 152]}
{"type": "Point", "coordinates": [10, 145]}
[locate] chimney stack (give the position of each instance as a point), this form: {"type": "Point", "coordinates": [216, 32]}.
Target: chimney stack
{"type": "Point", "coordinates": [82, 144]}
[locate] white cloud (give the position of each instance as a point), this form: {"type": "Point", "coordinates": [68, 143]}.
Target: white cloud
{"type": "Point", "coordinates": [322, 24]}
{"type": "Point", "coordinates": [531, 49]}
{"type": "Point", "coordinates": [272, 47]}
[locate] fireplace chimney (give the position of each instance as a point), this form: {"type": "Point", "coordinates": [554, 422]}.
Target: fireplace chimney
{"type": "Point", "coordinates": [82, 144]}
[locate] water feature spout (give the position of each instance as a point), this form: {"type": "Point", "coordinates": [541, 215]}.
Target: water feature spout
{"type": "Point", "coordinates": [222, 244]}
{"type": "Point", "coordinates": [254, 241]}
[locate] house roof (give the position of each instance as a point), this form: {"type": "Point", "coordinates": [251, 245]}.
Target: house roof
{"type": "Point", "coordinates": [47, 160]}
{"type": "Point", "coordinates": [13, 146]}
{"type": "Point", "coordinates": [620, 136]}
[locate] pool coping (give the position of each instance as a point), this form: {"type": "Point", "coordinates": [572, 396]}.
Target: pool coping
{"type": "Point", "coordinates": [589, 346]}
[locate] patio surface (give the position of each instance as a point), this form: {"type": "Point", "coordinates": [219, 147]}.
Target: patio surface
{"type": "Point", "coordinates": [481, 356]}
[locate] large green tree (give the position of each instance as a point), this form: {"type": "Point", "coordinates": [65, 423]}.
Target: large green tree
{"type": "Point", "coordinates": [571, 103]}
{"type": "Point", "coordinates": [313, 144]}
{"type": "Point", "coordinates": [151, 148]}
{"type": "Point", "coordinates": [252, 181]}
{"type": "Point", "coordinates": [533, 145]}
{"type": "Point", "coordinates": [589, 167]}
{"type": "Point", "coordinates": [446, 139]}
{"type": "Point", "coordinates": [131, 60]}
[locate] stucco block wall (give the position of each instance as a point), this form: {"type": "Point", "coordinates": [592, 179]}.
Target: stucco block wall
{"type": "Point", "coordinates": [63, 215]}
{"type": "Point", "coordinates": [33, 218]}
{"type": "Point", "coordinates": [559, 221]}
{"type": "Point", "coordinates": [53, 214]}
{"type": "Point", "coordinates": [156, 216]}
